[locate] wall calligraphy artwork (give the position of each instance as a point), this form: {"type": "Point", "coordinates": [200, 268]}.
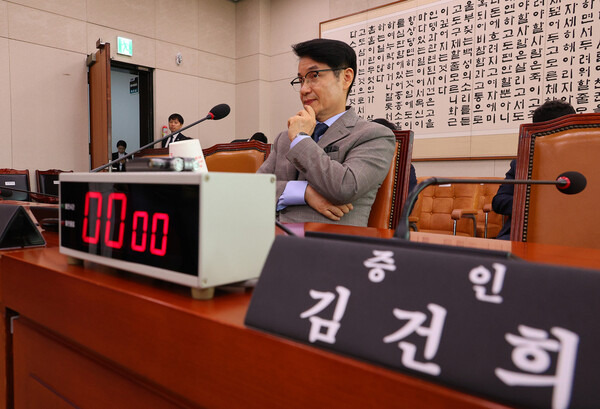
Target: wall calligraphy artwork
{"type": "Point", "coordinates": [465, 74]}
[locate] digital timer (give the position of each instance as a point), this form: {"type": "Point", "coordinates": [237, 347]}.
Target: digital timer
{"type": "Point", "coordinates": [131, 222]}
{"type": "Point", "coordinates": [200, 230]}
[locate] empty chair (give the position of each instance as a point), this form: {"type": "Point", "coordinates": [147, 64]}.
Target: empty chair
{"type": "Point", "coordinates": [240, 157]}
{"type": "Point", "coordinates": [387, 207]}
{"type": "Point", "coordinates": [47, 180]}
{"type": "Point", "coordinates": [447, 209]}
{"type": "Point", "coordinates": [14, 179]}
{"type": "Point", "coordinates": [47, 184]}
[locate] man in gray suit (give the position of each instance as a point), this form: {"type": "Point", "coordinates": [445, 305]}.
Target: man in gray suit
{"type": "Point", "coordinates": [329, 163]}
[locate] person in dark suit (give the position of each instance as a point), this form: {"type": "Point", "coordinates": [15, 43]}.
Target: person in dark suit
{"type": "Point", "coordinates": [412, 178]}
{"type": "Point", "coordinates": [329, 162]}
{"type": "Point", "coordinates": [119, 166]}
{"type": "Point", "coordinates": [175, 124]}
{"type": "Point", "coordinates": [503, 200]}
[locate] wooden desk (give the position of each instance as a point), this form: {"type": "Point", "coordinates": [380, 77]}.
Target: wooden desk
{"type": "Point", "coordinates": [539, 253]}
{"type": "Point", "coordinates": [91, 337]}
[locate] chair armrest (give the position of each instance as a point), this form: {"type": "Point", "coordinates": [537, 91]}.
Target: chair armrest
{"type": "Point", "coordinates": [487, 208]}
{"type": "Point", "coordinates": [458, 214]}
{"type": "Point", "coordinates": [412, 222]}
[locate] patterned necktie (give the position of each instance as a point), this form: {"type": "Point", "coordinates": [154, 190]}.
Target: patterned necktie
{"type": "Point", "coordinates": [319, 130]}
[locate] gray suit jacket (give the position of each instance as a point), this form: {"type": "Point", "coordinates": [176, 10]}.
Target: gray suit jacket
{"type": "Point", "coordinates": [346, 166]}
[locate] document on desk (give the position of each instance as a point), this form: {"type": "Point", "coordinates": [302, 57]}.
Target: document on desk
{"type": "Point", "coordinates": [516, 332]}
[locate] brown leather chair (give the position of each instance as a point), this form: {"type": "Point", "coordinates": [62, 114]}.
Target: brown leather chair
{"type": "Point", "coordinates": [240, 157]}
{"type": "Point", "coordinates": [16, 179]}
{"type": "Point", "coordinates": [542, 214]}
{"type": "Point", "coordinates": [387, 207]}
{"type": "Point", "coordinates": [447, 209]}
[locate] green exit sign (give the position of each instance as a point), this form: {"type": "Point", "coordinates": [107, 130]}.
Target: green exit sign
{"type": "Point", "coordinates": [124, 46]}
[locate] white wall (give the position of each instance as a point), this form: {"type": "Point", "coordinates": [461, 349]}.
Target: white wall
{"type": "Point", "coordinates": [43, 76]}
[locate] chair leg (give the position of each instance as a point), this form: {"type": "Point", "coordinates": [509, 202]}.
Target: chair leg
{"type": "Point", "coordinates": [454, 228]}
{"type": "Point", "coordinates": [485, 227]}
{"type": "Point", "coordinates": [472, 217]}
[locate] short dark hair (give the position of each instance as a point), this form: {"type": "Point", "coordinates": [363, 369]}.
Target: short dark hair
{"type": "Point", "coordinates": [334, 53]}
{"type": "Point", "coordinates": [552, 109]}
{"type": "Point", "coordinates": [385, 122]}
{"type": "Point", "coordinates": [259, 136]}
{"type": "Point", "coordinates": [122, 143]}
{"type": "Point", "coordinates": [176, 116]}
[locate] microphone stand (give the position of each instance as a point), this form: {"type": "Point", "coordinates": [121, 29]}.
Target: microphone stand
{"type": "Point", "coordinates": [27, 191]}
{"type": "Point", "coordinates": [112, 162]}
{"type": "Point", "coordinates": [37, 196]}
{"type": "Point", "coordinates": [403, 228]}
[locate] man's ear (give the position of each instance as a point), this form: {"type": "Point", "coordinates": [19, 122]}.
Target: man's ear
{"type": "Point", "coordinates": [348, 76]}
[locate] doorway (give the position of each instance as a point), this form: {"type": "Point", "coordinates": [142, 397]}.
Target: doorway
{"type": "Point", "coordinates": [131, 105]}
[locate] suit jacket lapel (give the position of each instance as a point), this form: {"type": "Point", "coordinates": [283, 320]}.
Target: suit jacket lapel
{"type": "Point", "coordinates": [340, 128]}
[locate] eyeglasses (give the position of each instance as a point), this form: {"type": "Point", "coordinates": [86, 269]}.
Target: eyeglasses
{"type": "Point", "coordinates": [311, 78]}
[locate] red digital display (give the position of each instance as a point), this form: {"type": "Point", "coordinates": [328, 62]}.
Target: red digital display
{"type": "Point", "coordinates": [113, 224]}
{"type": "Point", "coordinates": [151, 224]}
{"type": "Point", "coordinates": [137, 215]}
{"type": "Point", "coordinates": [89, 197]}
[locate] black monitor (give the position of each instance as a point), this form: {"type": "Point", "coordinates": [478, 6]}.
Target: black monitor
{"type": "Point", "coordinates": [15, 181]}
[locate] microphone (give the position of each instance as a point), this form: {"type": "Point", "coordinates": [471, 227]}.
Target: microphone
{"type": "Point", "coordinates": [217, 112]}
{"type": "Point", "coordinates": [574, 182]}
{"type": "Point", "coordinates": [567, 182]}
{"type": "Point", "coordinates": [40, 197]}
{"type": "Point", "coordinates": [9, 191]}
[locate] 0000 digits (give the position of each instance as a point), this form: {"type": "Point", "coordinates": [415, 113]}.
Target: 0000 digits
{"type": "Point", "coordinates": [92, 224]}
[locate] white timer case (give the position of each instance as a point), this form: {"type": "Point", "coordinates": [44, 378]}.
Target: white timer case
{"type": "Point", "coordinates": [236, 224]}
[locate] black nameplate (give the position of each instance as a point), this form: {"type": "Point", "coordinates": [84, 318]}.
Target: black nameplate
{"type": "Point", "coordinates": [17, 229]}
{"type": "Point", "coordinates": [512, 331]}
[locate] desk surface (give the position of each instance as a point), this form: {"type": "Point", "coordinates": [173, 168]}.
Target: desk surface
{"type": "Point", "coordinates": [193, 353]}
{"type": "Point", "coordinates": [539, 253]}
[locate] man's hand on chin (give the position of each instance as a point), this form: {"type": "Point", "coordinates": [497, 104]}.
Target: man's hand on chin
{"type": "Point", "coordinates": [333, 212]}
{"type": "Point", "coordinates": [303, 121]}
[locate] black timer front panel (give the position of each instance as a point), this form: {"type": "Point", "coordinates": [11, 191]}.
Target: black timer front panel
{"type": "Point", "coordinates": [149, 224]}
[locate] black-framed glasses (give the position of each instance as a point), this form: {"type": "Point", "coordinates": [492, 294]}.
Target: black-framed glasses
{"type": "Point", "coordinates": [311, 78]}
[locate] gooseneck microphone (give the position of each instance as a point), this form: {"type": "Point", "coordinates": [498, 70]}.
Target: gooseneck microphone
{"type": "Point", "coordinates": [217, 112]}
{"type": "Point", "coordinates": [7, 193]}
{"type": "Point", "coordinates": [568, 183]}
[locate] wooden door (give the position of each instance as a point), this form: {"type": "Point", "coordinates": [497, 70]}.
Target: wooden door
{"type": "Point", "coordinates": [100, 106]}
